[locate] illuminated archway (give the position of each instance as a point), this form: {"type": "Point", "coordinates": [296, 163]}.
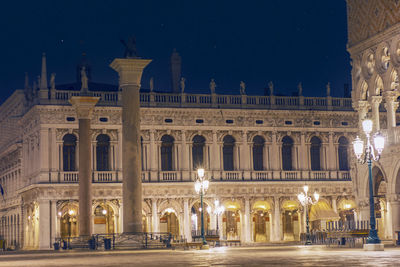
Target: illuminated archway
{"type": "Point", "coordinates": [231, 220]}
{"type": "Point", "coordinates": [261, 221]}
{"type": "Point", "coordinates": [290, 220]}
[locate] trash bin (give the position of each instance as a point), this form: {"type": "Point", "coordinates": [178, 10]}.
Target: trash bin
{"type": "Point", "coordinates": [92, 244]}
{"type": "Point", "coordinates": [64, 244]}
{"type": "Point", "coordinates": [56, 246]}
{"type": "Point", "coordinates": [107, 243]}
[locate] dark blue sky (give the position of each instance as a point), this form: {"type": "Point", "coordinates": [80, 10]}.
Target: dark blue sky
{"type": "Point", "coordinates": [254, 41]}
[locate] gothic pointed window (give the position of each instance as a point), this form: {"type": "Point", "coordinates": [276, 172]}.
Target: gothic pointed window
{"type": "Point", "coordinates": [342, 154]}
{"type": "Point", "coordinates": [198, 151]}
{"type": "Point", "coordinates": [228, 148]}
{"type": "Point", "coordinates": [287, 147]}
{"type": "Point", "coordinates": [167, 145]}
{"type": "Point", "coordinates": [69, 152]}
{"type": "Point", "coordinates": [258, 153]}
{"type": "Point", "coordinates": [315, 154]}
{"type": "Point", "coordinates": [103, 152]}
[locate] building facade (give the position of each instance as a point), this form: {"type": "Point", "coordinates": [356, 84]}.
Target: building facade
{"type": "Point", "coordinates": [373, 31]}
{"type": "Point", "coordinates": [257, 151]}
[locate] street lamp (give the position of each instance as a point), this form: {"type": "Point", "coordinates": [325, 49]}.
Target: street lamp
{"type": "Point", "coordinates": [201, 186]}
{"type": "Point", "coordinates": [306, 200]}
{"type": "Point", "coordinates": [367, 154]}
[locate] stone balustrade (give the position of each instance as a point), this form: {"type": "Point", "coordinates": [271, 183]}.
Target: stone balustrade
{"type": "Point", "coordinates": [179, 176]}
{"type": "Point", "coordinates": [213, 101]}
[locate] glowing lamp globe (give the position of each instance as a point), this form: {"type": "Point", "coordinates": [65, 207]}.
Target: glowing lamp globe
{"type": "Point", "coordinates": [379, 143]}
{"type": "Point", "coordinates": [358, 146]}
{"type": "Point", "coordinates": [200, 173]}
{"type": "Point", "coordinates": [367, 126]}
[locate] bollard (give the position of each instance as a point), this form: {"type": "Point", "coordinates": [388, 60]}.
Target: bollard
{"type": "Point", "coordinates": [107, 243]}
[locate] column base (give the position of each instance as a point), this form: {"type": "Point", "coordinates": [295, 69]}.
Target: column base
{"type": "Point", "coordinates": [374, 247]}
{"type": "Point", "coordinates": [205, 247]}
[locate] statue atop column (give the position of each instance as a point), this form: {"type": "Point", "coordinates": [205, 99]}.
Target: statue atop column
{"type": "Point", "coordinates": [212, 86]}
{"type": "Point", "coordinates": [300, 89]}
{"type": "Point", "coordinates": [151, 82]}
{"type": "Point", "coordinates": [182, 82]}
{"type": "Point", "coordinates": [53, 81]}
{"type": "Point", "coordinates": [328, 89]}
{"type": "Point", "coordinates": [242, 88]}
{"type": "Point", "coordinates": [130, 48]}
{"type": "Point", "coordinates": [271, 88]}
{"type": "Point", "coordinates": [84, 80]}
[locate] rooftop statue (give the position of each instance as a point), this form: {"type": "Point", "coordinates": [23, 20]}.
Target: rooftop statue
{"type": "Point", "coordinates": [300, 87]}
{"type": "Point", "coordinates": [328, 89]}
{"type": "Point", "coordinates": [271, 88]}
{"type": "Point", "coordinates": [212, 86]}
{"type": "Point", "coordinates": [183, 80]}
{"type": "Point", "coordinates": [151, 84]}
{"type": "Point", "coordinates": [130, 48]}
{"type": "Point", "coordinates": [53, 81]}
{"type": "Point", "coordinates": [84, 79]}
{"type": "Point", "coordinates": [242, 88]}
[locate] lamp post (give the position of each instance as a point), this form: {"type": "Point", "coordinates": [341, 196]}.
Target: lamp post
{"type": "Point", "coordinates": [306, 200]}
{"type": "Point", "coordinates": [367, 154]}
{"type": "Point", "coordinates": [201, 186]}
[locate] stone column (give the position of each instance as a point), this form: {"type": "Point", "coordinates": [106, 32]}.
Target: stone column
{"type": "Point", "coordinates": [395, 210]}
{"type": "Point", "coordinates": [277, 219]}
{"type": "Point", "coordinates": [362, 109]}
{"type": "Point", "coordinates": [375, 102]}
{"type": "Point", "coordinates": [275, 153]}
{"type": "Point", "coordinates": [130, 73]}
{"type": "Point", "coordinates": [186, 220]}
{"type": "Point", "coordinates": [247, 225]}
{"type": "Point", "coordinates": [84, 106]}
{"type": "Point", "coordinates": [44, 221]}
{"type": "Point", "coordinates": [334, 205]}
{"type": "Point", "coordinates": [154, 216]}
{"type": "Point", "coordinates": [331, 162]}
{"type": "Point", "coordinates": [391, 107]}
{"type": "Point", "coordinates": [215, 155]}
{"type": "Point", "coordinates": [303, 153]}
{"type": "Point", "coordinates": [53, 221]}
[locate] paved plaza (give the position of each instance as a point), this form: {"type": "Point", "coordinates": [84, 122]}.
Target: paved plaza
{"type": "Point", "coordinates": [243, 256]}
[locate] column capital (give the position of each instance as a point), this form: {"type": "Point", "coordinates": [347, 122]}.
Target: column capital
{"type": "Point", "coordinates": [129, 69]}
{"type": "Point", "coordinates": [84, 105]}
{"type": "Point", "coordinates": [390, 96]}
{"type": "Point", "coordinates": [362, 105]}
{"type": "Point", "coordinates": [376, 99]}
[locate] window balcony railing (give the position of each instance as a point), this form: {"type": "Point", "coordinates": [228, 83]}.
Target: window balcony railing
{"type": "Point", "coordinates": [169, 176]}
{"type": "Point", "coordinates": [69, 177]}
{"type": "Point", "coordinates": [104, 176]}
{"type": "Point", "coordinates": [232, 176]}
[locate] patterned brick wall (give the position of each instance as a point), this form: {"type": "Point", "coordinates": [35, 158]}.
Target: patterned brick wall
{"type": "Point", "coordinates": [368, 17]}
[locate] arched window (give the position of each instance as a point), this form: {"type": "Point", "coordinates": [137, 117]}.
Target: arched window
{"type": "Point", "coordinates": [287, 147]}
{"type": "Point", "coordinates": [167, 145]}
{"type": "Point", "coordinates": [229, 144]}
{"type": "Point", "coordinates": [315, 154]}
{"type": "Point", "coordinates": [258, 153]}
{"type": "Point", "coordinates": [342, 154]}
{"type": "Point", "coordinates": [103, 152]}
{"type": "Point", "coordinates": [69, 151]}
{"type": "Point", "coordinates": [198, 151]}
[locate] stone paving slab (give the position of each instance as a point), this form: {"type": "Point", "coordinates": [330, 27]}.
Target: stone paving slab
{"type": "Point", "coordinates": [244, 256]}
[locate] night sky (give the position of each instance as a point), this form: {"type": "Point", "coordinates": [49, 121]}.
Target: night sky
{"type": "Point", "coordinates": [254, 41]}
